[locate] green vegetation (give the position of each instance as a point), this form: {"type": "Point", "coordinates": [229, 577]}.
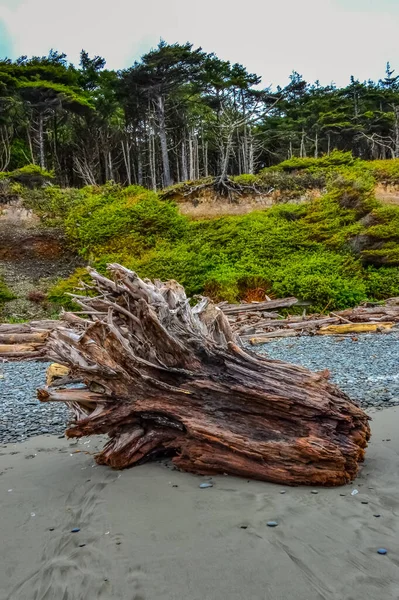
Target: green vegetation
{"type": "Point", "coordinates": [5, 293]}
{"type": "Point", "coordinates": [182, 114]}
{"type": "Point", "coordinates": [336, 251]}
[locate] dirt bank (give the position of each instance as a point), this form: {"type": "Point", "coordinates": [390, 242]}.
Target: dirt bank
{"type": "Point", "coordinates": [32, 258]}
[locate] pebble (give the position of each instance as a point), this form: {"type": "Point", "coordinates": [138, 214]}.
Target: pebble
{"type": "Point", "coordinates": [272, 523]}
{"type": "Point", "coordinates": [364, 502]}
{"type": "Point", "coordinates": [377, 516]}
{"type": "Point", "coordinates": [206, 485]}
{"type": "Point", "coordinates": [382, 551]}
{"type": "Point", "coordinates": [314, 492]}
{"type": "Point", "coordinates": [282, 492]}
{"type": "Point", "coordinates": [75, 530]}
{"type": "Point", "coordinates": [18, 384]}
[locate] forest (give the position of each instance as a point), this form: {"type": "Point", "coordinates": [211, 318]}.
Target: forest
{"type": "Point", "coordinates": [180, 114]}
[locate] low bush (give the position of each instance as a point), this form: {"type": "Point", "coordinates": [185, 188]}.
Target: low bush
{"type": "Point", "coordinates": [322, 251]}
{"type": "Point", "coordinates": [5, 293]}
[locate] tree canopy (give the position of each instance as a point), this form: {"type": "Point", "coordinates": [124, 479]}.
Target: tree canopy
{"type": "Point", "coordinates": [180, 114]}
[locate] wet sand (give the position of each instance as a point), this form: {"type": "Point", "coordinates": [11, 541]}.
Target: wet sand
{"type": "Point", "coordinates": [143, 538]}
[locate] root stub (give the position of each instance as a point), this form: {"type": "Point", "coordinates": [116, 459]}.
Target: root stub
{"type": "Point", "coordinates": [162, 377]}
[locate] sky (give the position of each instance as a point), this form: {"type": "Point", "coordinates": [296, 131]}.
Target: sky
{"type": "Point", "coordinates": [325, 40]}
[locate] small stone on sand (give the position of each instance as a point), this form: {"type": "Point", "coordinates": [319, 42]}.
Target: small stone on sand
{"type": "Point", "coordinates": [382, 551]}
{"type": "Point", "coordinates": [272, 523]}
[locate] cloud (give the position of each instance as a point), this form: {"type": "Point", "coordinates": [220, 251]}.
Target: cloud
{"type": "Point", "coordinates": [327, 40]}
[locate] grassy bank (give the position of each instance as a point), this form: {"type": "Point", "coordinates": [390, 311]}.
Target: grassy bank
{"type": "Point", "coordinates": [335, 252]}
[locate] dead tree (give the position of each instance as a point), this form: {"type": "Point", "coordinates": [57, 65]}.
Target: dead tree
{"type": "Point", "coordinates": [163, 377]}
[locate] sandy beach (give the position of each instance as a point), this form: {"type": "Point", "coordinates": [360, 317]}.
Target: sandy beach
{"type": "Point", "coordinates": [150, 533]}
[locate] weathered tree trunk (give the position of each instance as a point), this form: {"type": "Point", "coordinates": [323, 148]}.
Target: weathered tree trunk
{"type": "Point", "coordinates": [160, 106]}
{"type": "Point", "coordinates": [184, 173]}
{"type": "Point", "coordinates": [126, 160]}
{"type": "Point", "coordinates": [162, 377]}
{"type": "Point", "coordinates": [41, 140]}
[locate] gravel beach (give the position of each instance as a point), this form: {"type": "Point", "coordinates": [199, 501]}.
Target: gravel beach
{"type": "Point", "coordinates": [366, 369]}
{"type": "Point", "coordinates": [21, 414]}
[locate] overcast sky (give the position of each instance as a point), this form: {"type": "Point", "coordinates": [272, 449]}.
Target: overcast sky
{"type": "Point", "coordinates": [327, 40]}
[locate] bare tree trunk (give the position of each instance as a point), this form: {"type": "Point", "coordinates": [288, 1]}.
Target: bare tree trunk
{"type": "Point", "coordinates": [139, 165]}
{"type": "Point", "coordinates": [302, 150]}
{"type": "Point", "coordinates": [316, 145]}
{"type": "Point", "coordinates": [197, 167]}
{"type": "Point", "coordinates": [328, 144]}
{"type": "Point", "coordinates": [110, 166]}
{"type": "Point", "coordinates": [41, 141]}
{"type": "Point", "coordinates": [240, 155]}
{"type": "Point", "coordinates": [205, 157]}
{"type": "Point", "coordinates": [5, 154]}
{"type": "Point", "coordinates": [396, 112]}
{"type": "Point", "coordinates": [184, 172]}
{"type": "Point", "coordinates": [151, 154]}
{"type": "Point", "coordinates": [32, 154]}
{"type": "Point", "coordinates": [191, 156]}
{"type": "Point", "coordinates": [164, 142]}
{"type": "Point", "coordinates": [251, 158]}
{"type": "Point", "coordinates": [226, 157]}
{"type": "Point", "coordinates": [126, 160]}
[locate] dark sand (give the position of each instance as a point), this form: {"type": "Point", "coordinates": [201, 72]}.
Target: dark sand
{"type": "Point", "coordinates": [147, 540]}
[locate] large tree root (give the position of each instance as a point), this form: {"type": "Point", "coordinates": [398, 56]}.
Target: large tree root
{"type": "Point", "coordinates": [222, 186]}
{"type": "Point", "coordinates": [161, 376]}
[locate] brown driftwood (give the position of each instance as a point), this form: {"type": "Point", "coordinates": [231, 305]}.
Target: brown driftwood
{"type": "Point", "coordinates": [354, 328]}
{"type": "Point", "coordinates": [17, 348]}
{"type": "Point", "coordinates": [161, 376]}
{"type": "Point", "coordinates": [25, 340]}
{"type": "Point", "coordinates": [235, 309]}
{"type": "Point", "coordinates": [363, 314]}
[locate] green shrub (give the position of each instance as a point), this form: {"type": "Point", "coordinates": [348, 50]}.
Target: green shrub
{"type": "Point", "coordinates": [58, 294]}
{"type": "Point", "coordinates": [385, 171]}
{"type": "Point", "coordinates": [52, 203]}
{"type": "Point", "coordinates": [5, 293]}
{"type": "Point", "coordinates": [382, 283]}
{"type": "Point", "coordinates": [111, 211]}
{"type": "Point", "coordinates": [334, 159]}
{"type": "Point", "coordinates": [307, 250]}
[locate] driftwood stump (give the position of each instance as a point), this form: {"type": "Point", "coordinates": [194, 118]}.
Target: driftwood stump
{"type": "Point", "coordinates": [163, 377]}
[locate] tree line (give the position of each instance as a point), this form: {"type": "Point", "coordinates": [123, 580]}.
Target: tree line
{"type": "Point", "coordinates": [180, 114]}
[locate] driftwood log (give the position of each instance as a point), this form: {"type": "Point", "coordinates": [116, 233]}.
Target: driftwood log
{"type": "Point", "coordinates": [162, 377]}
{"type": "Point", "coordinates": [25, 341]}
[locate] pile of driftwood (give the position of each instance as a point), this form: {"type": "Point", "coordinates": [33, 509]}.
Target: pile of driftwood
{"type": "Point", "coordinates": [255, 322]}
{"type": "Point", "coordinates": [162, 377]}
{"type": "Point", "coordinates": [260, 322]}
{"type": "Point", "coordinates": [25, 341]}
